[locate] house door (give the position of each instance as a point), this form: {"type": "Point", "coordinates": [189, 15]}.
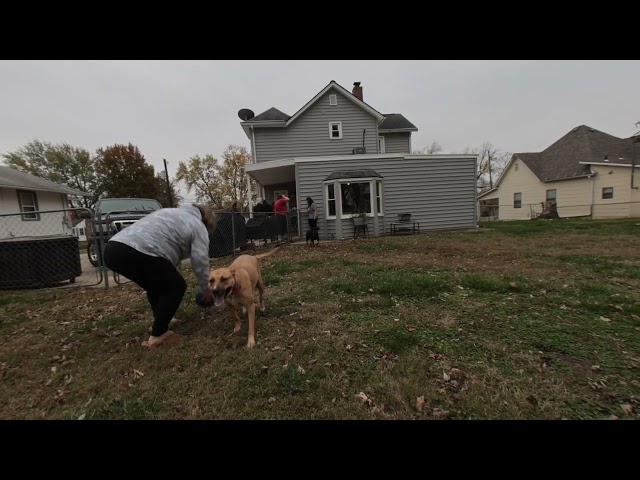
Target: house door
{"type": "Point", "coordinates": [278, 192]}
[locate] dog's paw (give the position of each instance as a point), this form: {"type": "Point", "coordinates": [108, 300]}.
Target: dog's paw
{"type": "Point", "coordinates": [251, 343]}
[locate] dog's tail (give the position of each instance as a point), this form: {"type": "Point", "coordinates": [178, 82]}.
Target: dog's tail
{"type": "Point", "coordinates": [261, 256]}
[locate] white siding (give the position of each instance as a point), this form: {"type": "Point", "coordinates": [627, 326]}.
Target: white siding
{"type": "Point", "coordinates": [48, 224]}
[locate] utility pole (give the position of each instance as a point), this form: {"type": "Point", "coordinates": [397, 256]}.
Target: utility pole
{"type": "Point", "coordinates": [166, 176]}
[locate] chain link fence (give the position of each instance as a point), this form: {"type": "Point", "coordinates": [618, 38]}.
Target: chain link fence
{"type": "Point", "coordinates": [43, 249]}
{"type": "Point", "coordinates": [64, 248]}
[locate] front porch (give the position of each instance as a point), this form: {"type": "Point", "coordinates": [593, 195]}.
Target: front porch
{"type": "Point", "coordinates": [349, 202]}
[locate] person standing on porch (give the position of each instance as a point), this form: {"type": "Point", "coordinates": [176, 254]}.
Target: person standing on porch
{"type": "Point", "coordinates": [312, 212]}
{"type": "Point", "coordinates": [281, 208]}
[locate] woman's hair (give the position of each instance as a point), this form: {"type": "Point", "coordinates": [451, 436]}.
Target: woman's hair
{"type": "Point", "coordinates": [280, 195]}
{"type": "Point", "coordinates": [207, 216]}
{"type": "Point", "coordinates": [309, 201]}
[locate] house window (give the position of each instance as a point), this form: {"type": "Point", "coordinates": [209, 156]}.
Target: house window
{"type": "Point", "coordinates": [517, 200]}
{"type": "Point", "coordinates": [331, 200]}
{"type": "Point", "coordinates": [607, 193]}
{"type": "Point", "coordinates": [381, 148]}
{"type": "Point", "coordinates": [333, 100]}
{"type": "Point", "coordinates": [28, 203]}
{"type": "Point", "coordinates": [551, 196]}
{"type": "Point", "coordinates": [355, 197]}
{"type": "Point", "coordinates": [335, 130]}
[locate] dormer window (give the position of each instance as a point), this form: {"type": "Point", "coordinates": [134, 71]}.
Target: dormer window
{"type": "Point", "coordinates": [335, 130]}
{"type": "Point", "coordinates": [333, 100]}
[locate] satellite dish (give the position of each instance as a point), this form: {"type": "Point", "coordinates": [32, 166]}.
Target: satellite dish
{"type": "Point", "coordinates": [245, 114]}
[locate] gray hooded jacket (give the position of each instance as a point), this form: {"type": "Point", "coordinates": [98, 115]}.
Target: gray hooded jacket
{"type": "Point", "coordinates": [174, 234]}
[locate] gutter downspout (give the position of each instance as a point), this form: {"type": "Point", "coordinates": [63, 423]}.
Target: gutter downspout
{"type": "Point", "coordinates": [254, 155]}
{"type": "Point", "coordinates": [593, 190]}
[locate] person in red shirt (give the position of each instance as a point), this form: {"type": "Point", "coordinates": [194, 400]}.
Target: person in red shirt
{"type": "Point", "coordinates": [281, 208]}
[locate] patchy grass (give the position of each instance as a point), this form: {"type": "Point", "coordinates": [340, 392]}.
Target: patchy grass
{"type": "Point", "coordinates": [522, 320]}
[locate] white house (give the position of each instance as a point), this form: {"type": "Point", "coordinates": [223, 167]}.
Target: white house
{"type": "Point", "coordinates": [27, 195]}
{"type": "Point", "coordinates": [586, 173]}
{"type": "Point", "coordinates": [80, 230]}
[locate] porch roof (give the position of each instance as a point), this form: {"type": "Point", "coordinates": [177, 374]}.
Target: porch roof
{"type": "Point", "coordinates": [353, 174]}
{"type": "Point", "coordinates": [270, 173]}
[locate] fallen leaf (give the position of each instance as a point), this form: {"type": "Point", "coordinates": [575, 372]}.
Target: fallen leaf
{"type": "Point", "coordinates": [605, 319]}
{"type": "Point", "coordinates": [446, 376]}
{"type": "Point", "coordinates": [300, 369]}
{"type": "Point", "coordinates": [362, 398]}
{"type": "Point", "coordinates": [349, 348]}
{"type": "Point", "coordinates": [265, 369]}
{"type": "Point", "coordinates": [420, 403]}
{"type": "Point", "coordinates": [81, 417]}
{"type": "Point", "coordinates": [272, 399]}
{"type": "Point", "coordinates": [628, 409]}
{"type": "Point", "coordinates": [137, 373]}
{"type": "Point", "coordinates": [613, 417]}
{"type": "Point", "coordinates": [595, 367]}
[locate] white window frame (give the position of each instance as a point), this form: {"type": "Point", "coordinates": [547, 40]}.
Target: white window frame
{"type": "Point", "coordinates": [381, 145]}
{"type": "Point", "coordinates": [34, 205]}
{"type": "Point", "coordinates": [374, 195]}
{"type": "Point", "coordinates": [327, 200]}
{"type": "Point", "coordinates": [333, 100]}
{"type": "Point", "coordinates": [515, 205]}
{"type": "Point", "coordinates": [546, 195]}
{"type": "Point", "coordinates": [331, 124]}
{"type": "Point", "coordinates": [607, 198]}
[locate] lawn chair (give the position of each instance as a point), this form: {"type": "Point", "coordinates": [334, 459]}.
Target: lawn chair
{"type": "Point", "coordinates": [404, 224]}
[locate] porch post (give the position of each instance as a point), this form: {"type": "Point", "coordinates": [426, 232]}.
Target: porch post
{"type": "Point", "coordinates": [338, 197]}
{"type": "Point", "coordinates": [249, 196]}
{"type": "Point", "coordinates": [374, 206]}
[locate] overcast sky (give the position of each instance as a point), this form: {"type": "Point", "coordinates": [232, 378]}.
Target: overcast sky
{"type": "Point", "coordinates": [176, 109]}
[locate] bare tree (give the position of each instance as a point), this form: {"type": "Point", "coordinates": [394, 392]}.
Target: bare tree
{"type": "Point", "coordinates": [432, 149]}
{"type": "Point", "coordinates": [491, 163]}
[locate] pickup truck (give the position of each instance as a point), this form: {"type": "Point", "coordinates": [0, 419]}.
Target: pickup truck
{"type": "Point", "coordinates": [112, 215]}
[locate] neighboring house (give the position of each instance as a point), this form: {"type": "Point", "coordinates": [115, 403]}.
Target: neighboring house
{"type": "Point", "coordinates": [351, 158]}
{"type": "Point", "coordinates": [586, 173]}
{"type": "Point", "coordinates": [28, 194]}
{"type": "Point", "coordinates": [80, 230]}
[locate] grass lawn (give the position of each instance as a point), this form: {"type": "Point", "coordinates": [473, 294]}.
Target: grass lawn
{"type": "Point", "coordinates": [520, 320]}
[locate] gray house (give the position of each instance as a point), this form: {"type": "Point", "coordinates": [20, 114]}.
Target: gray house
{"type": "Point", "coordinates": [352, 159]}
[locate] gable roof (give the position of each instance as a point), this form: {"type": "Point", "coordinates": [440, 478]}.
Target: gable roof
{"type": "Point", "coordinates": [269, 115]}
{"type": "Point", "coordinates": [275, 118]}
{"type": "Point", "coordinates": [12, 178]}
{"type": "Point", "coordinates": [396, 121]}
{"type": "Point", "coordinates": [570, 156]}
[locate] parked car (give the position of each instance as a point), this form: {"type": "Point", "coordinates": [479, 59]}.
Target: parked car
{"type": "Point", "coordinates": [112, 215]}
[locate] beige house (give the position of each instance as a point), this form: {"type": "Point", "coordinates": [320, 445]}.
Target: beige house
{"type": "Point", "coordinates": [586, 173]}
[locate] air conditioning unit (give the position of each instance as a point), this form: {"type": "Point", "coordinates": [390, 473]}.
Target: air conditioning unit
{"type": "Point", "coordinates": [359, 151]}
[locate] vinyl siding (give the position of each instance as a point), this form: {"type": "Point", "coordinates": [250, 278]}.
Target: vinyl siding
{"type": "Point", "coordinates": [308, 135]}
{"type": "Point", "coordinates": [620, 205]}
{"type": "Point", "coordinates": [573, 197]}
{"type": "Point", "coordinates": [396, 142]}
{"type": "Point", "coordinates": [49, 223]}
{"type": "Point", "coordinates": [438, 192]}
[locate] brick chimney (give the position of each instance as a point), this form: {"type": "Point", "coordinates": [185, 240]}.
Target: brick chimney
{"type": "Point", "coordinates": [357, 90]}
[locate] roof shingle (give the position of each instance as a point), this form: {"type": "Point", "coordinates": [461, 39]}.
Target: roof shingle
{"type": "Point", "coordinates": [561, 160]}
{"type": "Point", "coordinates": [12, 178]}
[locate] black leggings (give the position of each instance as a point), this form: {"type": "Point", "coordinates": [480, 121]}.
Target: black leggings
{"type": "Point", "coordinates": [163, 283]}
{"type": "Point", "coordinates": [313, 223]}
